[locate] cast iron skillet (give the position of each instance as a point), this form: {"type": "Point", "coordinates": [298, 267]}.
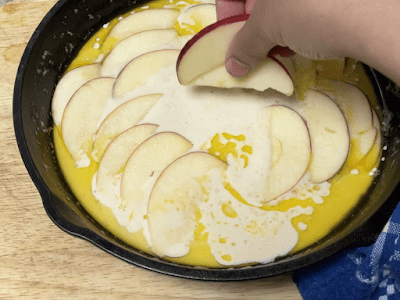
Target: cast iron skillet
{"type": "Point", "coordinates": [53, 45]}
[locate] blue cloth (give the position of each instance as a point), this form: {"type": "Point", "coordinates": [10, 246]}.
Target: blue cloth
{"type": "Point", "coordinates": [365, 273]}
{"type": "Point", "coordinates": [4, 2]}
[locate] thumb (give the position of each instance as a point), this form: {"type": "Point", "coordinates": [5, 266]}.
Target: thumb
{"type": "Point", "coordinates": [248, 47]}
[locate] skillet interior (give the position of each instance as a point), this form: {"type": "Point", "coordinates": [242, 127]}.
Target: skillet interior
{"type": "Point", "coordinates": [52, 47]}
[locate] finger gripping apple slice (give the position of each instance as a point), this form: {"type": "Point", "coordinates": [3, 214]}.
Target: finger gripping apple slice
{"type": "Point", "coordinates": [207, 49]}
{"type": "Point", "coordinates": [81, 116]}
{"type": "Point", "coordinates": [268, 74]}
{"type": "Point", "coordinates": [205, 53]}
{"type": "Point", "coordinates": [172, 204]}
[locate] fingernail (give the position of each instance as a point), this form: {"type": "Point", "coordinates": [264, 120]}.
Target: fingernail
{"type": "Point", "coordinates": [237, 68]}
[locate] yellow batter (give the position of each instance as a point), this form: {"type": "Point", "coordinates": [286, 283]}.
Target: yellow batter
{"type": "Point", "coordinates": [342, 199]}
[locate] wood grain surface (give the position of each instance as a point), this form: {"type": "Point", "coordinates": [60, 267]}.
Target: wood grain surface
{"type": "Point", "coordinates": [37, 259]}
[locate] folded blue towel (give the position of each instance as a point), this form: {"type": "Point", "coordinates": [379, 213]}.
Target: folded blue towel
{"type": "Point", "coordinates": [365, 273]}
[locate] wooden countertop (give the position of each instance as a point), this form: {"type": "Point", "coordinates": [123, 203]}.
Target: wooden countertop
{"type": "Point", "coordinates": [37, 259]}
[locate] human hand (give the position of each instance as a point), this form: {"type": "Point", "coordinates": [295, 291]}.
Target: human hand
{"type": "Point", "coordinates": [312, 28]}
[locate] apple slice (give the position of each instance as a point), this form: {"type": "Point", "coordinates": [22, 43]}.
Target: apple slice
{"type": "Point", "coordinates": [206, 50]}
{"type": "Point", "coordinates": [369, 139]}
{"type": "Point", "coordinates": [290, 150]}
{"type": "Point", "coordinates": [143, 168]}
{"type": "Point", "coordinates": [269, 74]}
{"type": "Point", "coordinates": [120, 119]}
{"type": "Point", "coordinates": [144, 20]}
{"type": "Point", "coordinates": [365, 141]}
{"type": "Point", "coordinates": [202, 15]}
{"type": "Point", "coordinates": [118, 153]}
{"type": "Point", "coordinates": [330, 140]}
{"type": "Point", "coordinates": [172, 203]}
{"type": "Point", "coordinates": [68, 85]}
{"type": "Point", "coordinates": [138, 44]}
{"type": "Point", "coordinates": [205, 53]}
{"type": "Point", "coordinates": [139, 70]}
{"type": "Point", "coordinates": [354, 104]}
{"type": "Point", "coordinates": [149, 159]}
{"type": "Point", "coordinates": [81, 116]}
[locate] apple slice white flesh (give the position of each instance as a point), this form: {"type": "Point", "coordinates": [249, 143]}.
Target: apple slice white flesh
{"type": "Point", "coordinates": [353, 103]}
{"type": "Point", "coordinates": [144, 20]}
{"type": "Point", "coordinates": [290, 150]}
{"type": "Point", "coordinates": [149, 159]}
{"type": "Point", "coordinates": [118, 153]}
{"type": "Point", "coordinates": [139, 70]}
{"type": "Point", "coordinates": [172, 203]}
{"type": "Point", "coordinates": [136, 45]}
{"type": "Point", "coordinates": [143, 168]}
{"type": "Point", "coordinates": [366, 140]}
{"type": "Point", "coordinates": [201, 14]}
{"type": "Point", "coordinates": [68, 85]}
{"type": "Point", "coordinates": [206, 51]}
{"type": "Point", "coordinates": [120, 119]}
{"type": "Point", "coordinates": [329, 133]}
{"type": "Point", "coordinates": [81, 116]}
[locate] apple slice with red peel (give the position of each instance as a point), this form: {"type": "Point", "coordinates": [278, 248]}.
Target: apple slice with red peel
{"type": "Point", "coordinates": [143, 167]}
{"type": "Point", "coordinates": [138, 44]}
{"type": "Point", "coordinates": [353, 103]}
{"type": "Point", "coordinates": [81, 117]}
{"type": "Point", "coordinates": [118, 153]}
{"type": "Point", "coordinates": [329, 133]}
{"type": "Point", "coordinates": [202, 59]}
{"type": "Point", "coordinates": [202, 14]}
{"type": "Point", "coordinates": [68, 85]}
{"type": "Point", "coordinates": [206, 50]}
{"type": "Point", "coordinates": [139, 70]}
{"type": "Point", "coordinates": [173, 202]}
{"type": "Point", "coordinates": [290, 150]}
{"type": "Point", "coordinates": [140, 21]}
{"type": "Point", "coordinates": [120, 119]}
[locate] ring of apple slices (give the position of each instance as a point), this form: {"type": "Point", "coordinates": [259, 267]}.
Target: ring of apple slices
{"type": "Point", "coordinates": [154, 175]}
